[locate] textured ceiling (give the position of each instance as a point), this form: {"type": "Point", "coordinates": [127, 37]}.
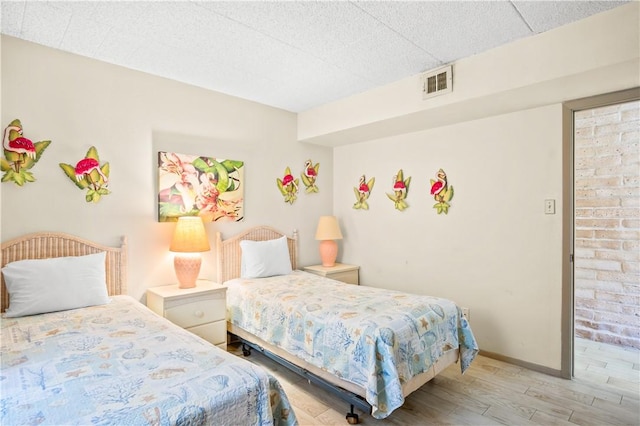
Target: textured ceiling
{"type": "Point", "coordinates": [293, 55]}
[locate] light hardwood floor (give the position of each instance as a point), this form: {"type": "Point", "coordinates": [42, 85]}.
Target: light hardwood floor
{"type": "Point", "coordinates": [604, 392]}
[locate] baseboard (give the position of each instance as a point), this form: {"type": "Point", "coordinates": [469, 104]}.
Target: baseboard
{"type": "Point", "coordinates": [521, 363]}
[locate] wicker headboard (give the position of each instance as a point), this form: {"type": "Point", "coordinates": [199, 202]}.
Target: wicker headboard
{"type": "Point", "coordinates": [43, 245]}
{"type": "Point", "coordinates": [229, 254]}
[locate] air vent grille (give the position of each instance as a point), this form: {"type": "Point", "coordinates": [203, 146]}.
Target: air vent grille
{"type": "Point", "coordinates": [437, 82]}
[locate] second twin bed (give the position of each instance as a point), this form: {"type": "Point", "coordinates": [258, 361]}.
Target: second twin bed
{"type": "Point", "coordinates": [379, 345]}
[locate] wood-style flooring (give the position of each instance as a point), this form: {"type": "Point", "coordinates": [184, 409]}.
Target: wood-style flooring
{"type": "Point", "coordinates": [605, 391]}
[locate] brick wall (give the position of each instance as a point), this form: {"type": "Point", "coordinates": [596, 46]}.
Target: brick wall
{"type": "Point", "coordinates": [607, 217]}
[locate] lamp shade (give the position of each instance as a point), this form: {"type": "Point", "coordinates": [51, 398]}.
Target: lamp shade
{"type": "Point", "coordinates": [328, 229]}
{"type": "Point", "coordinates": [189, 236]}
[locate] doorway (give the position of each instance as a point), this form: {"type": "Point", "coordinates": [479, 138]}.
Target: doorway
{"type": "Point", "coordinates": [605, 280]}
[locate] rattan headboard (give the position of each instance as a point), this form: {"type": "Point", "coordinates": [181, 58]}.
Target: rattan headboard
{"type": "Point", "coordinates": [43, 245]}
{"type": "Point", "coordinates": [229, 254]}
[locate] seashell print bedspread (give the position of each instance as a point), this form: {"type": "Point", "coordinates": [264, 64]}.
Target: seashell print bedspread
{"type": "Point", "coordinates": [375, 338]}
{"type": "Point", "coordinates": [121, 364]}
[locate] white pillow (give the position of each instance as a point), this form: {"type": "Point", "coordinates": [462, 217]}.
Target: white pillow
{"type": "Point", "coordinates": [262, 259]}
{"type": "Point", "coordinates": [37, 286]}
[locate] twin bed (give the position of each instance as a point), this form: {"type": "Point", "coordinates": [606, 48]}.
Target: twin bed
{"type": "Point", "coordinates": [115, 363]}
{"type": "Point", "coordinates": [119, 363]}
{"type": "Point", "coordinates": [372, 346]}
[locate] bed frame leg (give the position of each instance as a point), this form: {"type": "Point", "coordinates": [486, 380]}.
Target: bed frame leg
{"type": "Point", "coordinates": [246, 349]}
{"type": "Point", "coordinates": [352, 418]}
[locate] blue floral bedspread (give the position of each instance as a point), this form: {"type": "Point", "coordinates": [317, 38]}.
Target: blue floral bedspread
{"type": "Point", "coordinates": [378, 339]}
{"type": "Point", "coordinates": [121, 364]}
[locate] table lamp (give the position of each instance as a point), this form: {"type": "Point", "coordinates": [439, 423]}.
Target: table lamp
{"type": "Point", "coordinates": [328, 230]}
{"type": "Point", "coordinates": [189, 240]}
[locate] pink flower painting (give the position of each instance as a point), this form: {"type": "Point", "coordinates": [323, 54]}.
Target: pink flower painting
{"type": "Point", "coordinates": [190, 185]}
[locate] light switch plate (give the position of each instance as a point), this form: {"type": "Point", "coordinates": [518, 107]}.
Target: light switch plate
{"type": "Point", "coordinates": [549, 206]}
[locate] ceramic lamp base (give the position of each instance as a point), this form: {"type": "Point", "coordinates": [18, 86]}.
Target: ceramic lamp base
{"type": "Point", "coordinates": [187, 267]}
{"type": "Point", "coordinates": [328, 252]}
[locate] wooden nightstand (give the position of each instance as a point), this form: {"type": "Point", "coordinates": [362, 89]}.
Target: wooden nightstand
{"type": "Point", "coordinates": [202, 310]}
{"type": "Point", "coordinates": [340, 272]}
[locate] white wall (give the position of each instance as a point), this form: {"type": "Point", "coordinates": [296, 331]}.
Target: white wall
{"type": "Point", "coordinates": [129, 116]}
{"type": "Point", "coordinates": [499, 137]}
{"type": "Point", "coordinates": [495, 252]}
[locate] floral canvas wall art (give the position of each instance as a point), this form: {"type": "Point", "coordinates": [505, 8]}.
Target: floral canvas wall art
{"type": "Point", "coordinates": [191, 185]}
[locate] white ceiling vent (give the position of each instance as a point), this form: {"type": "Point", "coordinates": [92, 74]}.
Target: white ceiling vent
{"type": "Point", "coordinates": [437, 82]}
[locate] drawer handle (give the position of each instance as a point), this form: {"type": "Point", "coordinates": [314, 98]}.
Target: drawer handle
{"type": "Point", "coordinates": [199, 314]}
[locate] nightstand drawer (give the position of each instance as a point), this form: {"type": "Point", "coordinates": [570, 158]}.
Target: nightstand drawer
{"type": "Point", "coordinates": [196, 313]}
{"type": "Point", "coordinates": [349, 277]}
{"type": "Point", "coordinates": [215, 332]}
{"type": "Point", "coordinates": [201, 310]}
